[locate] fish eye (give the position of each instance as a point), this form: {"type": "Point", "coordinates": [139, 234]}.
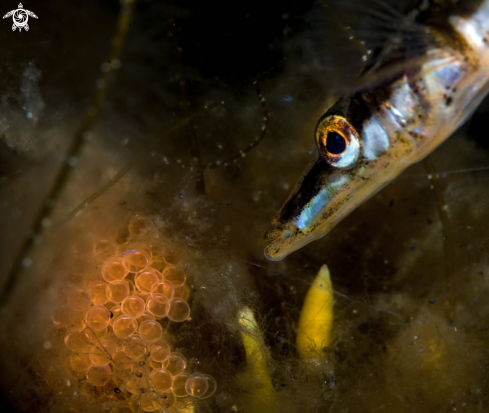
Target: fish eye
{"type": "Point", "coordinates": [337, 142]}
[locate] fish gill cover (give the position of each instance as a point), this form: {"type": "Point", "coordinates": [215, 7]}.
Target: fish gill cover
{"type": "Point", "coordinates": [154, 295]}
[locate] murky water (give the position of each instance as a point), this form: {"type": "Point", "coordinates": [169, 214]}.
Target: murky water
{"type": "Point", "coordinates": [395, 345]}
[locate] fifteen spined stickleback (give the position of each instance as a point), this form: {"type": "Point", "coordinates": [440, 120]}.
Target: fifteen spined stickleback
{"type": "Point", "coordinates": [368, 138]}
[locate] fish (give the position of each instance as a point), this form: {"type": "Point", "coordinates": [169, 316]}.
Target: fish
{"type": "Point", "coordinates": [367, 138]}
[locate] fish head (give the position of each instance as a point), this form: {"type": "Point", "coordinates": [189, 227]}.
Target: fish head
{"type": "Point", "coordinates": [349, 166]}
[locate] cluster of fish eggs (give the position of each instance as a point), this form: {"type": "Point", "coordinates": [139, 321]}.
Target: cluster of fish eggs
{"type": "Point", "coordinates": [115, 335]}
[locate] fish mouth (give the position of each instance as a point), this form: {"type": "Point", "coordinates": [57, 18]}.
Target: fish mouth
{"type": "Point", "coordinates": [285, 241]}
{"type": "Point", "coordinates": [301, 219]}
{"type": "Point", "coordinates": [319, 201]}
{"type": "Point", "coordinates": [275, 251]}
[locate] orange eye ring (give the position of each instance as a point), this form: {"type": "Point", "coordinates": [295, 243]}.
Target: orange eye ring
{"type": "Point", "coordinates": [337, 141]}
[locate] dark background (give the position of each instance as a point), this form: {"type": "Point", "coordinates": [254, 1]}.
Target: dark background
{"type": "Point", "coordinates": [223, 45]}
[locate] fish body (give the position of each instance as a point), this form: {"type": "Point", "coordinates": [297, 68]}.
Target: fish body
{"type": "Point", "coordinates": [367, 139]}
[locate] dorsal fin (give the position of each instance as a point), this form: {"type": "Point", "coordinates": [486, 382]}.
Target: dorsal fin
{"type": "Point", "coordinates": [427, 11]}
{"type": "Point", "coordinates": [348, 45]}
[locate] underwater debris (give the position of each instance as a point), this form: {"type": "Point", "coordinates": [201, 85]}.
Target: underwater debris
{"type": "Point", "coordinates": [42, 219]}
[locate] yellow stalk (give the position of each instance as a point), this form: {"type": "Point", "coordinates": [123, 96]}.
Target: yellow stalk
{"type": "Point", "coordinates": [256, 357]}
{"type": "Point", "coordinates": [316, 319]}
